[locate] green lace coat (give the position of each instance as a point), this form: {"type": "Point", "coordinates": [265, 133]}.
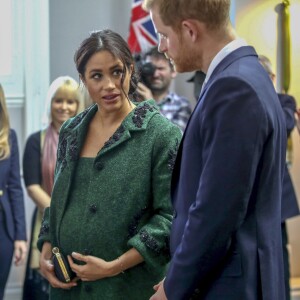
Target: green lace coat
{"type": "Point", "coordinates": [129, 201]}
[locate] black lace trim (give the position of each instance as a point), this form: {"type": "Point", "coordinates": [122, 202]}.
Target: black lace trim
{"type": "Point", "coordinates": [150, 242]}
{"type": "Point", "coordinates": [166, 249]}
{"type": "Point", "coordinates": [77, 119]}
{"type": "Point", "coordinates": [44, 230]}
{"type": "Point", "coordinates": [172, 156]}
{"type": "Point", "coordinates": [73, 150]}
{"type": "Point", "coordinates": [115, 137]}
{"type": "Point", "coordinates": [133, 226]}
{"type": "Point", "coordinates": [61, 155]}
{"type": "Point", "coordinates": [140, 114]}
{"type": "Point", "coordinates": [62, 149]}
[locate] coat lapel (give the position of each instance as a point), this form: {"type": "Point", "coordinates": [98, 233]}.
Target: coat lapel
{"type": "Point", "coordinates": [71, 141]}
{"type": "Point", "coordinates": [137, 120]}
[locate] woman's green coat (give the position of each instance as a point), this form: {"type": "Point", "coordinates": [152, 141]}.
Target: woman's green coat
{"type": "Point", "coordinates": [129, 201]}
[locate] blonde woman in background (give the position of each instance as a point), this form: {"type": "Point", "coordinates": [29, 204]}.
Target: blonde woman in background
{"type": "Point", "coordinates": [12, 214]}
{"type": "Point", "coordinates": [64, 100]}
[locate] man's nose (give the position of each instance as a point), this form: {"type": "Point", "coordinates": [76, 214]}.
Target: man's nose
{"type": "Point", "coordinates": [162, 46]}
{"type": "Point", "coordinates": [156, 73]}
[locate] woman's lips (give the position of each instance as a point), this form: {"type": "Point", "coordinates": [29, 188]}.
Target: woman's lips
{"type": "Point", "coordinates": [111, 97]}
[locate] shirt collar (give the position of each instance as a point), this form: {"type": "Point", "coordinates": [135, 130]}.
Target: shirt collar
{"type": "Point", "coordinates": [235, 44]}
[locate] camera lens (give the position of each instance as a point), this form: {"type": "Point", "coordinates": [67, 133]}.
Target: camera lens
{"type": "Point", "coordinates": [146, 72]}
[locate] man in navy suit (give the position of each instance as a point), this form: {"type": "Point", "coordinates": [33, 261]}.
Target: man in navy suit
{"type": "Point", "coordinates": [227, 181]}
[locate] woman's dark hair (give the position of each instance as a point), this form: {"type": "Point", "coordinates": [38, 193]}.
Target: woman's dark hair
{"type": "Point", "coordinates": [112, 42]}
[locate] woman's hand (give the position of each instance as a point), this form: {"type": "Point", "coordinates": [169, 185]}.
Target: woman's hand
{"type": "Point", "coordinates": [94, 268]}
{"type": "Point", "coordinates": [47, 269]}
{"type": "Point", "coordinates": [20, 252]}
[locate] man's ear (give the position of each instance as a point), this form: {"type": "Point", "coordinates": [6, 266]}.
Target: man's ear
{"type": "Point", "coordinates": [190, 29]}
{"type": "Point", "coordinates": [173, 74]}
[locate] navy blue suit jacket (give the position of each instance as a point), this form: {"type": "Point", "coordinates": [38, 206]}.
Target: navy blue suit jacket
{"type": "Point", "coordinates": [289, 206]}
{"type": "Point", "coordinates": [12, 200]}
{"type": "Point", "coordinates": [226, 189]}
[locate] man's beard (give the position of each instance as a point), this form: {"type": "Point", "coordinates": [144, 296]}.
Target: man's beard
{"type": "Point", "coordinates": [156, 90]}
{"type": "Point", "coordinates": [185, 61]}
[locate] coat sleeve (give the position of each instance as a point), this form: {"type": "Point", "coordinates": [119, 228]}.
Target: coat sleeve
{"type": "Point", "coordinates": [44, 235]}
{"type": "Point", "coordinates": [15, 190]}
{"type": "Point", "coordinates": [152, 240]}
{"type": "Point", "coordinates": [230, 125]}
{"type": "Point", "coordinates": [288, 105]}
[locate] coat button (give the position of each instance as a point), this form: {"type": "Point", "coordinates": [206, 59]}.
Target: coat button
{"type": "Point", "coordinates": [174, 214]}
{"type": "Point", "coordinates": [93, 208]}
{"type": "Point", "coordinates": [99, 166]}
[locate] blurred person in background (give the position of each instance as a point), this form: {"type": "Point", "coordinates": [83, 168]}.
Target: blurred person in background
{"type": "Point", "coordinates": [12, 213]}
{"type": "Point", "coordinates": [64, 100]}
{"type": "Point", "coordinates": [297, 116]}
{"type": "Point", "coordinates": [197, 79]}
{"type": "Point", "coordinates": [289, 205]}
{"type": "Point", "coordinates": [157, 86]}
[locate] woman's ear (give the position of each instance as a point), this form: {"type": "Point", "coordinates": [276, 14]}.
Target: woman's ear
{"type": "Point", "coordinates": [130, 70]}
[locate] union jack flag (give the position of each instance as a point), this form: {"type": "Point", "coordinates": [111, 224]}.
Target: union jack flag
{"type": "Point", "coordinates": [142, 35]}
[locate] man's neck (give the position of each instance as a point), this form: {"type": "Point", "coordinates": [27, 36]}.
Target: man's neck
{"type": "Point", "coordinates": [216, 44]}
{"type": "Point", "coordinates": [159, 96]}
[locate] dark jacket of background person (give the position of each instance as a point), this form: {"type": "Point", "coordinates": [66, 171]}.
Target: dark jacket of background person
{"type": "Point", "coordinates": [35, 286]}
{"type": "Point", "coordinates": [289, 200]}
{"type": "Point", "coordinates": [235, 193]}
{"type": "Point", "coordinates": [12, 213]}
{"type": "Point", "coordinates": [11, 194]}
{"type": "Point", "coordinates": [289, 205]}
